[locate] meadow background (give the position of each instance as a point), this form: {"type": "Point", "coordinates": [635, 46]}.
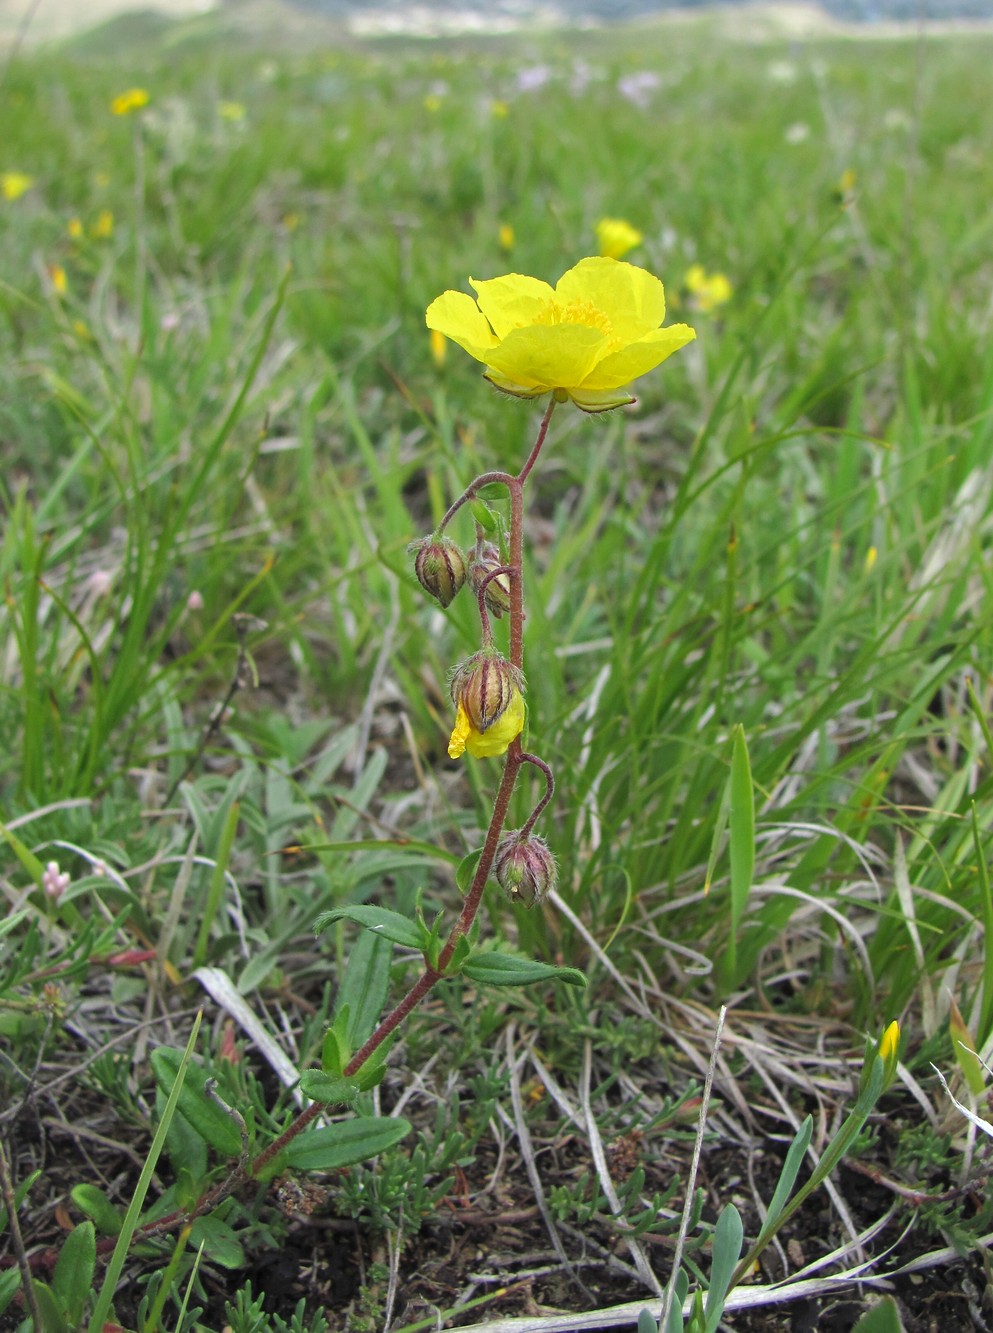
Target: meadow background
{"type": "Point", "coordinates": [221, 426]}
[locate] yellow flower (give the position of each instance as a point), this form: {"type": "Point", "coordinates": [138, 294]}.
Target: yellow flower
{"type": "Point", "coordinates": [233, 111]}
{"type": "Point", "coordinates": [104, 225]}
{"type": "Point", "coordinates": [60, 283]}
{"type": "Point", "coordinates": [506, 236]}
{"type": "Point", "coordinates": [497, 736]}
{"type": "Point", "coordinates": [709, 290]}
{"type": "Point", "coordinates": [439, 345]}
{"type": "Point", "coordinates": [499, 110]}
{"type": "Point", "coordinates": [15, 183]}
{"type": "Point", "coordinates": [132, 99]}
{"type": "Point", "coordinates": [74, 229]}
{"type": "Point", "coordinates": [432, 102]}
{"type": "Point", "coordinates": [615, 237]}
{"type": "Point", "coordinates": [584, 339]}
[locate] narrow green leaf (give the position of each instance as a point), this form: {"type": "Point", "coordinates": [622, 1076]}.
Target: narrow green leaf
{"type": "Point", "coordinates": [986, 899]}
{"type": "Point", "coordinates": [215, 891]}
{"type": "Point", "coordinates": [10, 1282]}
{"type": "Point", "coordinates": [380, 920]}
{"type": "Point", "coordinates": [791, 1167]}
{"type": "Point", "coordinates": [72, 1279]}
{"type": "Point", "coordinates": [52, 1318]}
{"type": "Point", "coordinates": [365, 986]}
{"type": "Point", "coordinates": [209, 1120]}
{"type": "Point", "coordinates": [21, 1192]}
{"type": "Point", "coordinates": [504, 969]}
{"type": "Point", "coordinates": [728, 1236]}
{"type": "Point", "coordinates": [344, 1144]}
{"type": "Point", "coordinates": [681, 1286]}
{"type": "Point", "coordinates": [741, 819]}
{"type": "Point", "coordinates": [647, 1322]}
{"type": "Point", "coordinates": [92, 1201]}
{"type": "Point", "coordinates": [115, 1267]}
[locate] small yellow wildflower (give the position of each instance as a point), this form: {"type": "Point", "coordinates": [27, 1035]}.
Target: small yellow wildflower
{"type": "Point", "coordinates": [846, 181]}
{"type": "Point", "coordinates": [74, 229]}
{"type": "Point", "coordinates": [60, 283]}
{"type": "Point", "coordinates": [291, 221]}
{"type": "Point", "coordinates": [439, 346]}
{"type": "Point", "coordinates": [233, 111]}
{"type": "Point", "coordinates": [432, 102]}
{"type": "Point", "coordinates": [103, 228]}
{"type": "Point", "coordinates": [14, 183]}
{"type": "Point", "coordinates": [499, 110]}
{"type": "Point", "coordinates": [708, 290]}
{"type": "Point", "coordinates": [506, 236]}
{"type": "Point", "coordinates": [495, 739]}
{"type": "Point", "coordinates": [132, 99]}
{"type": "Point", "coordinates": [82, 330]}
{"type": "Point", "coordinates": [871, 556]}
{"type": "Point", "coordinates": [615, 237]}
{"type": "Point", "coordinates": [584, 340]}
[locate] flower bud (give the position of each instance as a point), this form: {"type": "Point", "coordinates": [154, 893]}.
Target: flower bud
{"type": "Point", "coordinates": [497, 595]}
{"type": "Point", "coordinates": [524, 868]}
{"type": "Point", "coordinates": [484, 685]}
{"type": "Point", "coordinates": [440, 567]}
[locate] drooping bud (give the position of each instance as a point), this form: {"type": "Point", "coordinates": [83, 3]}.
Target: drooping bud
{"type": "Point", "coordinates": [440, 566]}
{"type": "Point", "coordinates": [484, 685]}
{"type": "Point", "coordinates": [483, 561]}
{"type": "Point", "coordinates": [524, 868]}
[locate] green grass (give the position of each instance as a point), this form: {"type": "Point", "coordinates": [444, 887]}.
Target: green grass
{"type": "Point", "coordinates": [220, 438]}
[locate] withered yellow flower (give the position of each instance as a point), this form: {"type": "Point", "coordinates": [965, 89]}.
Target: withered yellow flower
{"type": "Point", "coordinates": [585, 339]}
{"type": "Point", "coordinates": [495, 739]}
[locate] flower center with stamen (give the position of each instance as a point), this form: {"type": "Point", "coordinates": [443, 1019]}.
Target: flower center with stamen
{"type": "Point", "coordinates": [575, 312]}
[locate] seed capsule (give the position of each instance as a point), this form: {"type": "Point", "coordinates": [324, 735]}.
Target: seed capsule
{"type": "Point", "coordinates": [497, 594]}
{"type": "Point", "coordinates": [440, 566]}
{"type": "Point", "coordinates": [525, 868]}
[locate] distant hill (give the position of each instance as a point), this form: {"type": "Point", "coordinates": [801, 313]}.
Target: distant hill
{"type": "Point", "coordinates": [492, 12]}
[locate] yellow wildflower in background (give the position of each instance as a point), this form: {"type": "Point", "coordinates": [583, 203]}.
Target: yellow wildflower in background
{"type": "Point", "coordinates": [74, 229]}
{"type": "Point", "coordinates": [615, 237]}
{"type": "Point", "coordinates": [103, 228]}
{"type": "Point", "coordinates": [14, 183]}
{"type": "Point", "coordinates": [432, 102]}
{"type": "Point", "coordinates": [499, 110]}
{"type": "Point", "coordinates": [60, 283]}
{"type": "Point", "coordinates": [439, 345]}
{"type": "Point", "coordinates": [132, 99]}
{"type": "Point", "coordinates": [506, 236]}
{"type": "Point", "coordinates": [497, 736]}
{"type": "Point", "coordinates": [585, 339]}
{"type": "Point", "coordinates": [709, 290]}
{"type": "Point", "coordinates": [233, 111]}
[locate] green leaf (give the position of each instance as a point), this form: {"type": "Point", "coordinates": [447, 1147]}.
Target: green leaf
{"type": "Point", "coordinates": [220, 1243]}
{"type": "Point", "coordinates": [52, 1319]}
{"type": "Point", "coordinates": [505, 969]}
{"type": "Point", "coordinates": [327, 1088]}
{"type": "Point", "coordinates": [882, 1318]}
{"type": "Point", "coordinates": [728, 1236]}
{"type": "Point", "coordinates": [72, 1279]}
{"type": "Point", "coordinates": [365, 986]}
{"type": "Point", "coordinates": [647, 1322]}
{"type": "Point", "coordinates": [92, 1201]}
{"type": "Point", "coordinates": [10, 1281]}
{"type": "Point", "coordinates": [380, 920]}
{"type": "Point", "coordinates": [483, 514]}
{"type": "Point", "coordinates": [681, 1285]}
{"type": "Point", "coordinates": [346, 1143]}
{"type": "Point", "coordinates": [788, 1175]}
{"type": "Point", "coordinates": [20, 1194]}
{"type": "Point", "coordinates": [467, 870]}
{"type": "Point", "coordinates": [209, 1120]}
{"type": "Point", "coordinates": [741, 819]}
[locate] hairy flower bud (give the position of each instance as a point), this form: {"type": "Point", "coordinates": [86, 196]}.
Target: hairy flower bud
{"type": "Point", "coordinates": [524, 868]}
{"type": "Point", "coordinates": [484, 686]}
{"type": "Point", "coordinates": [440, 567]}
{"type": "Point", "coordinates": [497, 595]}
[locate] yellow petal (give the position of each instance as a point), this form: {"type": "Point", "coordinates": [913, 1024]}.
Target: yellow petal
{"type": "Point", "coordinates": [511, 301]}
{"type": "Point", "coordinates": [457, 316]}
{"type": "Point", "coordinates": [631, 298]}
{"type": "Point", "coordinates": [548, 356]}
{"type": "Point", "coordinates": [460, 734]}
{"type": "Point", "coordinates": [622, 367]}
{"type": "Point", "coordinates": [495, 739]}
